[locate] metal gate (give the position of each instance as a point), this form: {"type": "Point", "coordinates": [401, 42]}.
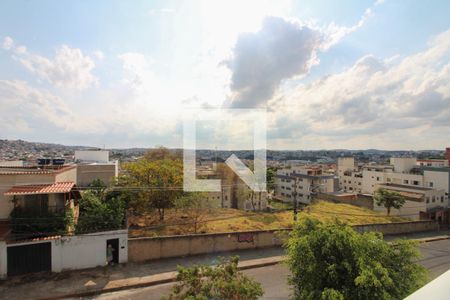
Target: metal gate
{"type": "Point", "coordinates": [29, 258]}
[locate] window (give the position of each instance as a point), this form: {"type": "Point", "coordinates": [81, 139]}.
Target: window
{"type": "Point", "coordinates": [442, 199]}
{"type": "Point", "coordinates": [388, 180]}
{"type": "Point", "coordinates": [428, 199]}
{"type": "Point", "coordinates": [405, 181]}
{"type": "Point", "coordinates": [431, 184]}
{"type": "Point", "coordinates": [378, 178]}
{"type": "Point", "coordinates": [433, 199]}
{"type": "Point", "coordinates": [415, 182]}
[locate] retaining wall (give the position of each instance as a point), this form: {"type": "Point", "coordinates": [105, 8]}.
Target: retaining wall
{"type": "Point", "coordinates": [142, 249]}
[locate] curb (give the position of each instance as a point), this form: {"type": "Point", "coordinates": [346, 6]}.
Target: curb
{"type": "Point", "coordinates": [169, 277]}
{"type": "Point", "coordinates": [162, 278]}
{"type": "Point", "coordinates": [435, 239]}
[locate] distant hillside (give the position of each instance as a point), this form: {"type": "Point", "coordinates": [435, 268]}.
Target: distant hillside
{"type": "Point", "coordinates": [21, 145]}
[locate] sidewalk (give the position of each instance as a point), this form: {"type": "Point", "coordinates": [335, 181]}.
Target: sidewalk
{"type": "Point", "coordinates": [108, 279]}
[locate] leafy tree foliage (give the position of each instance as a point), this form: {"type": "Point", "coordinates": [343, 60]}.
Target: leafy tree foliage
{"type": "Point", "coordinates": [332, 261]}
{"type": "Point", "coordinates": [270, 178]}
{"type": "Point", "coordinates": [222, 282]}
{"type": "Point", "coordinates": [101, 211]}
{"type": "Point", "coordinates": [159, 178]}
{"type": "Point", "coordinates": [389, 199]}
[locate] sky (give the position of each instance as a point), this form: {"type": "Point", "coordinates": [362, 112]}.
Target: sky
{"type": "Point", "coordinates": [329, 74]}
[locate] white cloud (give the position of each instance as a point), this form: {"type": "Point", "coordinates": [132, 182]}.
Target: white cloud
{"type": "Point", "coordinates": [372, 98]}
{"type": "Point", "coordinates": [31, 108]}
{"type": "Point", "coordinates": [69, 69]}
{"type": "Point", "coordinates": [160, 11]}
{"type": "Point", "coordinates": [98, 54]}
{"type": "Point", "coordinates": [7, 43]}
{"type": "Point", "coordinates": [280, 50]}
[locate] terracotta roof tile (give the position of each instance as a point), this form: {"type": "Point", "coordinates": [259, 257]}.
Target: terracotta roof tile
{"type": "Point", "coordinates": [55, 188]}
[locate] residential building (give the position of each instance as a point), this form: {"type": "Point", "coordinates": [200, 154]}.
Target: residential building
{"type": "Point", "coordinates": [37, 190]}
{"type": "Point", "coordinates": [433, 162]}
{"type": "Point", "coordinates": [234, 192]}
{"type": "Point", "coordinates": [302, 183]}
{"type": "Point", "coordinates": [418, 199]}
{"type": "Point", "coordinates": [95, 164]}
{"type": "Point", "coordinates": [425, 187]}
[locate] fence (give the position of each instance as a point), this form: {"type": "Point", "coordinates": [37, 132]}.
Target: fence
{"type": "Point", "coordinates": [142, 249]}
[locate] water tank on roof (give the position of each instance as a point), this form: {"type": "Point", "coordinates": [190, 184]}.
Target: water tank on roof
{"type": "Point", "coordinates": [43, 161]}
{"type": "Point", "coordinates": [58, 161]}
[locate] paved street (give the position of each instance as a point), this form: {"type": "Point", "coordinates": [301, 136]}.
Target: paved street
{"type": "Point", "coordinates": [272, 278]}
{"type": "Point", "coordinates": [435, 257]}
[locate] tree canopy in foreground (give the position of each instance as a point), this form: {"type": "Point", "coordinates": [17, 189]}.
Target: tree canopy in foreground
{"type": "Point", "coordinates": [221, 282]}
{"type": "Point", "coordinates": [333, 261]}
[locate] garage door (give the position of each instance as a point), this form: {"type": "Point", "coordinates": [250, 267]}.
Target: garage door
{"type": "Point", "coordinates": [29, 258]}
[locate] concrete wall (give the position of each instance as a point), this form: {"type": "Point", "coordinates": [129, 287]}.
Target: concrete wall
{"type": "Point", "coordinates": [143, 249]}
{"type": "Point", "coordinates": [353, 199]}
{"type": "Point", "coordinates": [75, 252]}
{"type": "Point", "coordinates": [86, 173]}
{"type": "Point", "coordinates": [399, 228]}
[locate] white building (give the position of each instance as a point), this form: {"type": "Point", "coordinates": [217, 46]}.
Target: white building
{"type": "Point", "coordinates": [303, 182]}
{"type": "Point", "coordinates": [95, 164]}
{"type": "Point", "coordinates": [427, 186]}
{"type": "Point", "coordinates": [432, 162]}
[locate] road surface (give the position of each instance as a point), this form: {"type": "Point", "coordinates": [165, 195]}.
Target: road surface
{"type": "Point", "coordinates": [435, 257]}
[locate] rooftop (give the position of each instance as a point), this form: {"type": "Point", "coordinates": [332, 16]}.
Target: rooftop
{"type": "Point", "coordinates": [34, 170]}
{"type": "Point", "coordinates": [36, 189]}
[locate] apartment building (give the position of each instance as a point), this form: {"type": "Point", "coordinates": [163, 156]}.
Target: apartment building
{"type": "Point", "coordinates": [425, 188]}
{"type": "Point", "coordinates": [234, 192]}
{"type": "Point", "coordinates": [302, 183]}
{"type": "Point", "coordinates": [432, 162]}
{"type": "Point", "coordinates": [95, 164]}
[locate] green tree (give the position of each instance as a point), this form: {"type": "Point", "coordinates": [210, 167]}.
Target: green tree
{"type": "Point", "coordinates": [159, 178]}
{"type": "Point", "coordinates": [221, 282]}
{"type": "Point", "coordinates": [270, 178]}
{"type": "Point", "coordinates": [100, 212]}
{"type": "Point", "coordinates": [333, 261]}
{"type": "Point", "coordinates": [389, 199]}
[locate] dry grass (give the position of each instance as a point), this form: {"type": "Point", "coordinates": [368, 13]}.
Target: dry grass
{"type": "Point", "coordinates": [226, 220]}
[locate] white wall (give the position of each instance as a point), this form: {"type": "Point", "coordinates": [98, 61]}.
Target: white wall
{"type": "Point", "coordinates": [76, 252]}
{"type": "Point", "coordinates": [11, 163]}
{"type": "Point", "coordinates": [403, 164]}
{"type": "Point", "coordinates": [439, 179]}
